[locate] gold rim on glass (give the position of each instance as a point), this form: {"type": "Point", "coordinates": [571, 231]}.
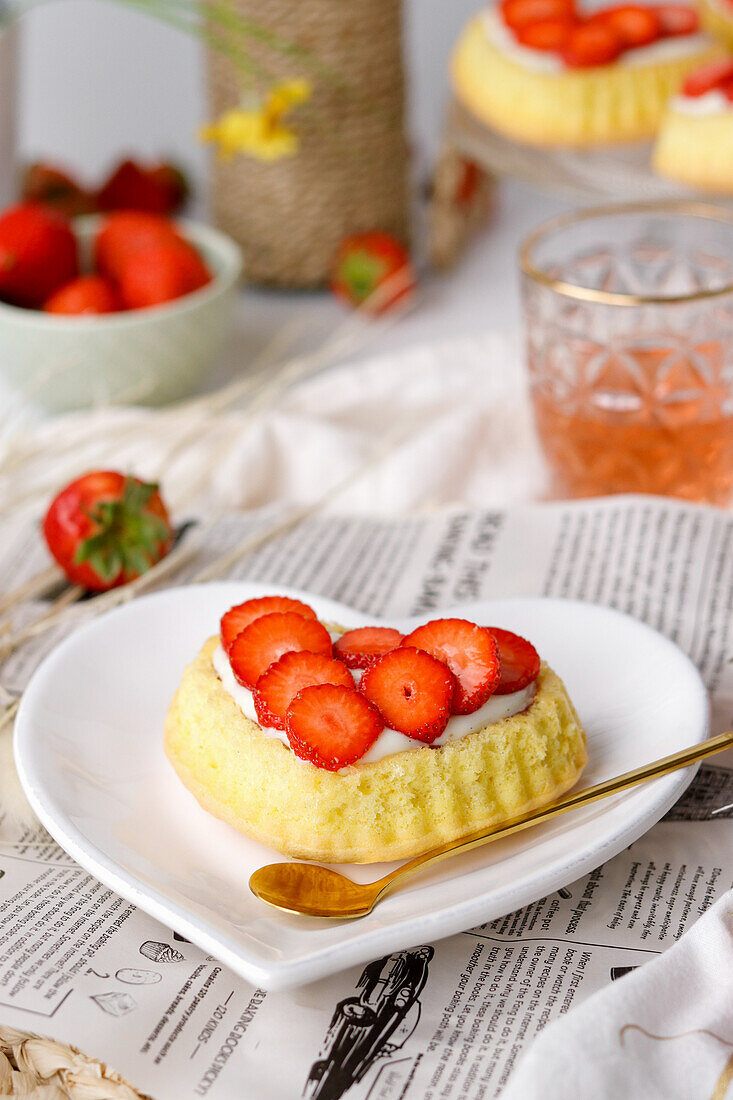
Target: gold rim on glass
{"type": "Point", "coordinates": [704, 210]}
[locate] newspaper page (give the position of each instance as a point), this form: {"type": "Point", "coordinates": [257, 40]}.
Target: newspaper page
{"type": "Point", "coordinates": [444, 1021]}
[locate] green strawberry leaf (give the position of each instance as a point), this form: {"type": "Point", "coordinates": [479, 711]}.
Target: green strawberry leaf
{"type": "Point", "coordinates": [127, 539]}
{"type": "Point", "coordinates": [362, 273]}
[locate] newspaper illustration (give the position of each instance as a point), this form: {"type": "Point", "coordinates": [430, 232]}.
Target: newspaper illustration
{"type": "Point", "coordinates": [441, 1021]}
{"type": "Point", "coordinates": [160, 952]}
{"type": "Point", "coordinates": [130, 976]}
{"type": "Point", "coordinates": [116, 1004]}
{"type": "Point", "coordinates": [375, 1024]}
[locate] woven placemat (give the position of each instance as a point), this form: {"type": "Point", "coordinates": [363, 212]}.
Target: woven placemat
{"type": "Point", "coordinates": [45, 1070]}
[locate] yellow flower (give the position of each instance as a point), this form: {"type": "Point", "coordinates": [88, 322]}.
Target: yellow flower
{"type": "Point", "coordinates": [259, 131]}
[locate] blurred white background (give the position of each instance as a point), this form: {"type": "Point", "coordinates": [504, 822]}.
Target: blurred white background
{"type": "Point", "coordinates": [97, 80]}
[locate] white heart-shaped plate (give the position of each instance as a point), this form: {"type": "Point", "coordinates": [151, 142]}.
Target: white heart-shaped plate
{"type": "Point", "coordinates": [89, 749]}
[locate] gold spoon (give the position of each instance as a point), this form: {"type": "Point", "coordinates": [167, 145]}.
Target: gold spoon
{"type": "Point", "coordinates": [316, 891]}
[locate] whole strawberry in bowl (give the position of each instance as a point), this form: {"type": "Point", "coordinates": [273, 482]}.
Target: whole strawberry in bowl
{"type": "Point", "coordinates": [38, 254]}
{"type": "Point", "coordinates": [159, 188]}
{"type": "Point", "coordinates": [130, 306]}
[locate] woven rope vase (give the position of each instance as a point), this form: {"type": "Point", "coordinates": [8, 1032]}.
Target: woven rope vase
{"type": "Point", "coordinates": [350, 172]}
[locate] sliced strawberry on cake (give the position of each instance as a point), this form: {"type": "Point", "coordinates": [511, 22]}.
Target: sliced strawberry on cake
{"type": "Point", "coordinates": [332, 726]}
{"type": "Point", "coordinates": [412, 691]}
{"type": "Point", "coordinates": [634, 24]}
{"type": "Point", "coordinates": [278, 686]}
{"type": "Point", "coordinates": [266, 639]}
{"type": "Point", "coordinates": [523, 13]}
{"type": "Point", "coordinates": [358, 648]}
{"type": "Point", "coordinates": [237, 618]}
{"type": "Point", "coordinates": [590, 45]}
{"type": "Point", "coordinates": [519, 661]}
{"type": "Point", "coordinates": [551, 35]}
{"type": "Point", "coordinates": [469, 651]}
{"type": "Point", "coordinates": [708, 79]}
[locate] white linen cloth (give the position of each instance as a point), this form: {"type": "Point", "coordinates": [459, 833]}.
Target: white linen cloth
{"type": "Point", "coordinates": [458, 411]}
{"type": "Point", "coordinates": [662, 1032]}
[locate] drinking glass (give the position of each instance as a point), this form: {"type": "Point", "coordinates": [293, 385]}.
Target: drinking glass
{"type": "Point", "coordinates": [628, 312]}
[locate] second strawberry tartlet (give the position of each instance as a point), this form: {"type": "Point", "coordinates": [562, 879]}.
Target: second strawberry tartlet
{"type": "Point", "coordinates": [366, 745]}
{"type": "Point", "coordinates": [695, 141]}
{"type": "Point", "coordinates": [557, 73]}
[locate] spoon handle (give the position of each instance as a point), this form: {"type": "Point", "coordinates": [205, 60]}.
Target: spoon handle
{"type": "Point", "coordinates": [573, 801]}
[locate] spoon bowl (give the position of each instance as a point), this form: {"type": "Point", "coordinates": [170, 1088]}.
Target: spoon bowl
{"type": "Point", "coordinates": [312, 890]}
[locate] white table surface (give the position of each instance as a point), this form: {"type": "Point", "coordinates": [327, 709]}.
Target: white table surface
{"type": "Point", "coordinates": [480, 293]}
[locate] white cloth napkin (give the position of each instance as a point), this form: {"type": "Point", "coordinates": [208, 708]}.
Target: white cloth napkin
{"type": "Point", "coordinates": [662, 1032]}
{"type": "Point", "coordinates": [457, 412]}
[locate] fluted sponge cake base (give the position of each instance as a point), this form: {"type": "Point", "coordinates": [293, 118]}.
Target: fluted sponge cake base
{"type": "Point", "coordinates": [576, 107]}
{"type": "Point", "coordinates": [696, 150]}
{"type": "Point", "coordinates": [393, 808]}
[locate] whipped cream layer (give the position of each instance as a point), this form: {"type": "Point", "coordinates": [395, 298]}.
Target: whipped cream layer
{"type": "Point", "coordinates": [389, 741]}
{"type": "Point", "coordinates": [714, 102]}
{"type": "Point", "coordinates": [545, 61]}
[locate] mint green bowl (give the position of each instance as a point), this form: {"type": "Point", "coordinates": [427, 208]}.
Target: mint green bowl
{"type": "Point", "coordinates": [144, 356]}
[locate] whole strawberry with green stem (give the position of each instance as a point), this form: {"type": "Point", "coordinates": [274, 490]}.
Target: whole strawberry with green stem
{"type": "Point", "coordinates": [106, 528]}
{"type": "Point", "coordinates": [372, 270]}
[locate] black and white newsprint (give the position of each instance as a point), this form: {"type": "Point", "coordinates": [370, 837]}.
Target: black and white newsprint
{"type": "Point", "coordinates": [441, 1021]}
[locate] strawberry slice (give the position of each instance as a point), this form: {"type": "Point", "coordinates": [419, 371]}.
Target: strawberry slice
{"type": "Point", "coordinates": [277, 687]}
{"type": "Point", "coordinates": [676, 20]}
{"type": "Point", "coordinates": [332, 726]}
{"type": "Point", "coordinates": [237, 618]}
{"type": "Point", "coordinates": [519, 660]}
{"type": "Point", "coordinates": [266, 639]}
{"type": "Point", "coordinates": [591, 44]}
{"type": "Point", "coordinates": [412, 691]}
{"type": "Point", "coordinates": [358, 648]}
{"type": "Point", "coordinates": [708, 78]}
{"type": "Point", "coordinates": [469, 651]}
{"type": "Point", "coordinates": [520, 13]}
{"type": "Point", "coordinates": [547, 34]}
{"type": "Point", "coordinates": [634, 24]}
